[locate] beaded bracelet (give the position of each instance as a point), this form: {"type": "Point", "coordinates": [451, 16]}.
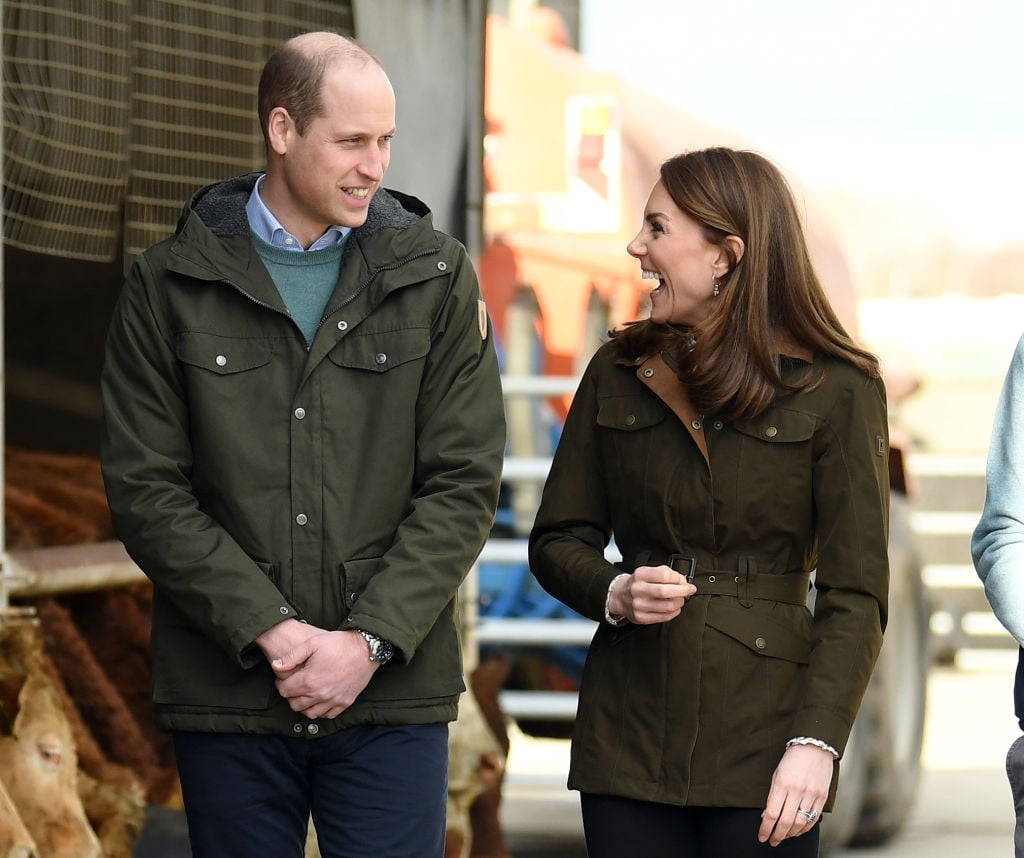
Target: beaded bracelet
{"type": "Point", "coordinates": [818, 743]}
{"type": "Point", "coordinates": [609, 617]}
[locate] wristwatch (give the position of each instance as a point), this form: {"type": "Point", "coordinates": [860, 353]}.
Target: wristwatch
{"type": "Point", "coordinates": [381, 650]}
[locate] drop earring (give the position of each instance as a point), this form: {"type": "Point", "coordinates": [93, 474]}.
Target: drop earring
{"type": "Point", "coordinates": [715, 284]}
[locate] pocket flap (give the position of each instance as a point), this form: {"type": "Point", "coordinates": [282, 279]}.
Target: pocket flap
{"type": "Point", "coordinates": [355, 574]}
{"type": "Point", "coordinates": [759, 631]}
{"type": "Point", "coordinates": [630, 413]}
{"type": "Point", "coordinates": [779, 426]}
{"type": "Point", "coordinates": [379, 351]}
{"type": "Point", "coordinates": [222, 355]}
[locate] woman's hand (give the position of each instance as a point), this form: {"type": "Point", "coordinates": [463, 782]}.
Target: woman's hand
{"type": "Point", "coordinates": [652, 594]}
{"type": "Point", "coordinates": [799, 788]}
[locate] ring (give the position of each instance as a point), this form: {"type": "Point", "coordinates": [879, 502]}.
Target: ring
{"type": "Point", "coordinates": [810, 814]}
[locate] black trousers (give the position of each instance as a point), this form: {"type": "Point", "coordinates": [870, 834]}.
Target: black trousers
{"type": "Point", "coordinates": [625, 828]}
{"type": "Point", "coordinates": [373, 792]}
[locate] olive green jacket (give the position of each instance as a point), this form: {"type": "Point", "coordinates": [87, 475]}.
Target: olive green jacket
{"type": "Point", "coordinates": [350, 484]}
{"type": "Point", "coordinates": [698, 710]}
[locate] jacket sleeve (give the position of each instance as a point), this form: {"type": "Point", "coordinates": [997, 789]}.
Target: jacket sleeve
{"type": "Point", "coordinates": [460, 444]}
{"type": "Point", "coordinates": [573, 523]}
{"type": "Point", "coordinates": [851, 501]}
{"type": "Point", "coordinates": [147, 462]}
{"type": "Point", "coordinates": [997, 545]}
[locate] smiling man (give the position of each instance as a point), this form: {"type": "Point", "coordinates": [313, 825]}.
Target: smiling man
{"type": "Point", "coordinates": [302, 446]}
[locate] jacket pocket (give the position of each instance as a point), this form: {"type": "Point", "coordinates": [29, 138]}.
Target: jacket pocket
{"type": "Point", "coordinates": [380, 351]}
{"type": "Point", "coordinates": [783, 633]}
{"type": "Point", "coordinates": [190, 670]}
{"type": "Point", "coordinates": [223, 355]}
{"type": "Point", "coordinates": [630, 413]}
{"type": "Point", "coordinates": [779, 426]}
{"type": "Point", "coordinates": [355, 575]}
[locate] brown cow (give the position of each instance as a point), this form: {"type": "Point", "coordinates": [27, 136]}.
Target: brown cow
{"type": "Point", "coordinates": [38, 764]}
{"type": "Point", "coordinates": [15, 841]}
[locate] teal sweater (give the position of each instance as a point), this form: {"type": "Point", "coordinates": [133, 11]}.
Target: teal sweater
{"type": "Point", "coordinates": [305, 280]}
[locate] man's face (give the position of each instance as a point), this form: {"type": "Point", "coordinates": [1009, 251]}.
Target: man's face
{"type": "Point", "coordinates": [329, 174]}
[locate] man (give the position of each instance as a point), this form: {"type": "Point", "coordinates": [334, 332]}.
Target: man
{"type": "Point", "coordinates": [998, 550]}
{"type": "Point", "coordinates": [302, 447]}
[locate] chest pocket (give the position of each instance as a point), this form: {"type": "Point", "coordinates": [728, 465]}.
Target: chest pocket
{"type": "Point", "coordinates": [630, 413]}
{"type": "Point", "coordinates": [779, 426]}
{"type": "Point", "coordinates": [223, 355]}
{"type": "Point", "coordinates": [381, 351]}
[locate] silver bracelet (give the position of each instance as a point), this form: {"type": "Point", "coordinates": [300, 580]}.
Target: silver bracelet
{"type": "Point", "coordinates": [818, 743]}
{"type": "Point", "coordinates": [609, 617]}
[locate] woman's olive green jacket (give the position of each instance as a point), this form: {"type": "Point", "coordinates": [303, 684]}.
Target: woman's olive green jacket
{"type": "Point", "coordinates": [351, 483]}
{"type": "Point", "coordinates": [698, 710]}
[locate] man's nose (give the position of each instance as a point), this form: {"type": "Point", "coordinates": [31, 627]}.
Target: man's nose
{"type": "Point", "coordinates": [373, 165]}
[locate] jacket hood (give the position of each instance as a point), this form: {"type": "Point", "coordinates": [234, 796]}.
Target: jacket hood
{"type": "Point", "coordinates": [221, 208]}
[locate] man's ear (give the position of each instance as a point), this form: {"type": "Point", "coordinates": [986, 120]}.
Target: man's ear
{"type": "Point", "coordinates": [279, 127]}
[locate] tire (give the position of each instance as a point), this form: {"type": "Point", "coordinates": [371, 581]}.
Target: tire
{"type": "Point", "coordinates": [839, 827]}
{"type": "Point", "coordinates": [893, 712]}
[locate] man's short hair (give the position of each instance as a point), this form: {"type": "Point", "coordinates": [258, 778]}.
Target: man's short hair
{"type": "Point", "coordinates": [293, 78]}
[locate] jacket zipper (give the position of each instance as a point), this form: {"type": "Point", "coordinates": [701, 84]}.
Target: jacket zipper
{"type": "Point", "coordinates": [366, 282]}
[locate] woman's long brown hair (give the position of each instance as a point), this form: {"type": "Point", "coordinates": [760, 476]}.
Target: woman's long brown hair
{"type": "Point", "coordinates": [729, 362]}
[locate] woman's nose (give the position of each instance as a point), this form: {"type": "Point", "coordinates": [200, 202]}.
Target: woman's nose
{"type": "Point", "coordinates": [635, 247]}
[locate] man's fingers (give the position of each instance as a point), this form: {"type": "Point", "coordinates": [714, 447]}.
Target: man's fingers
{"type": "Point", "coordinates": [286, 664]}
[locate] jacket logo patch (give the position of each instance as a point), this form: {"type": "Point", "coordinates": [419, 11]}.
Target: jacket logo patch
{"type": "Point", "coordinates": [481, 318]}
{"type": "Point", "coordinates": [880, 445]}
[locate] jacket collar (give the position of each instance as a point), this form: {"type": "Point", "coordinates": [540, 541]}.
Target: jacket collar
{"type": "Point", "coordinates": [213, 241]}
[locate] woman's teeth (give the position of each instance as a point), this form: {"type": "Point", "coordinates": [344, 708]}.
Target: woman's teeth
{"type": "Point", "coordinates": [651, 275]}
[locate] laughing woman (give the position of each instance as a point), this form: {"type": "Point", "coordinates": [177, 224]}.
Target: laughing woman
{"type": "Point", "coordinates": [732, 443]}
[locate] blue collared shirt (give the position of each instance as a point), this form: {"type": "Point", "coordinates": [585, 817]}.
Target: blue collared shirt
{"type": "Point", "coordinates": [268, 227]}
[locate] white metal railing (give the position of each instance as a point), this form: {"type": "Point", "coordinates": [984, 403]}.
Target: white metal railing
{"type": "Point", "coordinates": [527, 473]}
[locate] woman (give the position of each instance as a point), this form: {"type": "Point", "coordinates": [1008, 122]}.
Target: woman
{"type": "Point", "coordinates": [732, 443]}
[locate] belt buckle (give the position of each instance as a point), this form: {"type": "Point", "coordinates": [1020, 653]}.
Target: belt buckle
{"type": "Point", "coordinates": [672, 558]}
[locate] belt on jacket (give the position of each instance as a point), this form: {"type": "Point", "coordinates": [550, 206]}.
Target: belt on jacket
{"type": "Point", "coordinates": [745, 584]}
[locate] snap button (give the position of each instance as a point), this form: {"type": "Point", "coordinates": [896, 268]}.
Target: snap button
{"type": "Point", "coordinates": [648, 372]}
{"type": "Point", "coordinates": [301, 519]}
{"type": "Point", "coordinates": [355, 597]}
{"type": "Point", "coordinates": [711, 579]}
{"type": "Point", "coordinates": [283, 609]}
{"type": "Point", "coordinates": [381, 358]}
{"type": "Point", "coordinates": [342, 325]}
{"type": "Point", "coordinates": [297, 728]}
{"type": "Point", "coordinates": [695, 424]}
{"type": "Point", "coordinates": [719, 424]}
{"type": "Point", "coordinates": [442, 266]}
{"type": "Point", "coordinates": [313, 729]}
{"type": "Point", "coordinates": [220, 360]}
{"type": "Point", "coordinates": [631, 419]}
{"type": "Point", "coordinates": [300, 413]}
{"type": "Point", "coordinates": [771, 431]}
{"type": "Point", "coordinates": [760, 643]}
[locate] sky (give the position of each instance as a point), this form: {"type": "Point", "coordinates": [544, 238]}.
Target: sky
{"type": "Point", "coordinates": [918, 100]}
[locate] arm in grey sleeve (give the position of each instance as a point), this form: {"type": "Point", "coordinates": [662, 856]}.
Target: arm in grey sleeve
{"type": "Point", "coordinates": [997, 545]}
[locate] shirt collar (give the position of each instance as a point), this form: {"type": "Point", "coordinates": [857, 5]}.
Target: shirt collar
{"type": "Point", "coordinates": [268, 227]}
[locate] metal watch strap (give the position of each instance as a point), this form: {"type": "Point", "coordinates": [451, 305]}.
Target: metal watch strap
{"type": "Point", "coordinates": [381, 650]}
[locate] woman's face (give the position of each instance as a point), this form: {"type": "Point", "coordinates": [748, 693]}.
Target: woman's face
{"type": "Point", "coordinates": [672, 250]}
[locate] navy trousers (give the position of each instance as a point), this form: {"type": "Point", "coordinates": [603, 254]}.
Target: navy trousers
{"type": "Point", "coordinates": [373, 792]}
